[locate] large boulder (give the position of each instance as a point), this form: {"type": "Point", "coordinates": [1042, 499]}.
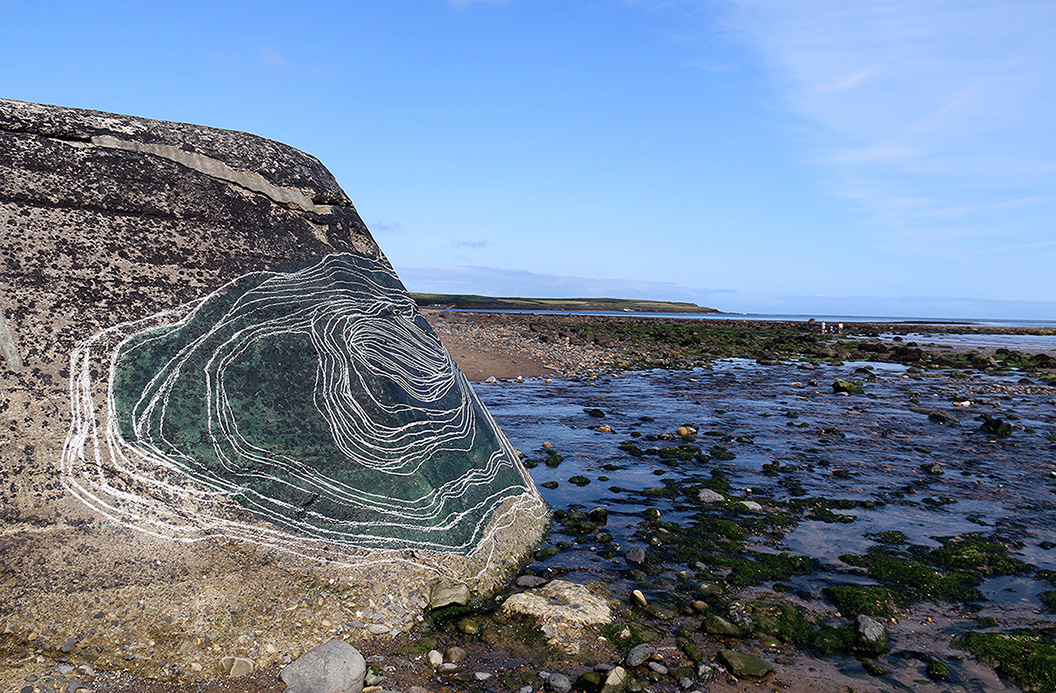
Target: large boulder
{"type": "Point", "coordinates": [225, 423]}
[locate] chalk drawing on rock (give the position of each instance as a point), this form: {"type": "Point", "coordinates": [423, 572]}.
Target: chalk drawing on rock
{"type": "Point", "coordinates": [312, 410]}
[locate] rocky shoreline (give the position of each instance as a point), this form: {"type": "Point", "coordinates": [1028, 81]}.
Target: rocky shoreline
{"type": "Point", "coordinates": [507, 345]}
{"type": "Point", "coordinates": [648, 642]}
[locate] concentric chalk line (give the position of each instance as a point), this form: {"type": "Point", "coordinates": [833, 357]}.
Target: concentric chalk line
{"type": "Point", "coordinates": [314, 411]}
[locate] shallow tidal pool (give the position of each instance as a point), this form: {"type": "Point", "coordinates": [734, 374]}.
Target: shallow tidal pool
{"type": "Point", "coordinates": [857, 489]}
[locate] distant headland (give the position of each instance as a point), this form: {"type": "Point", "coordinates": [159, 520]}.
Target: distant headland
{"type": "Point", "coordinates": [623, 305]}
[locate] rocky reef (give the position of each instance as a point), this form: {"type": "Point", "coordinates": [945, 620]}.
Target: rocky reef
{"type": "Point", "coordinates": [225, 423]}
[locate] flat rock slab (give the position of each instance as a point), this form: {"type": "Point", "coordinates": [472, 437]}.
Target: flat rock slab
{"type": "Point", "coordinates": [742, 664]}
{"type": "Point", "coordinates": [563, 611]}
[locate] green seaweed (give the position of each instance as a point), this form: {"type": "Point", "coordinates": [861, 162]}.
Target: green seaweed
{"type": "Point", "coordinates": [1026, 657]}
{"type": "Point", "coordinates": [865, 599]}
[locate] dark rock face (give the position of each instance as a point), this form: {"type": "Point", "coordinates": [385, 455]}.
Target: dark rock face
{"type": "Point", "coordinates": [200, 344]}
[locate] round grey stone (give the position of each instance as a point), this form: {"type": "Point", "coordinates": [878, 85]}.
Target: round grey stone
{"type": "Point", "coordinates": [639, 654]}
{"type": "Point", "coordinates": [332, 666]}
{"type": "Point", "coordinates": [636, 556]}
{"type": "Point", "coordinates": [558, 683]}
{"type": "Point", "coordinates": [870, 629]}
{"type": "Point", "coordinates": [706, 495]}
{"type": "Point", "coordinates": [530, 581]}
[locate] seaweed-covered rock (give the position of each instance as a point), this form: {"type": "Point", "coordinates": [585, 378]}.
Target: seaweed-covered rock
{"type": "Point", "coordinates": [742, 664]}
{"type": "Point", "coordinates": [873, 638]}
{"type": "Point", "coordinates": [851, 387]}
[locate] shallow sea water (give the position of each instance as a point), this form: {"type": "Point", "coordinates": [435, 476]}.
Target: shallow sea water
{"type": "Point", "coordinates": [861, 448]}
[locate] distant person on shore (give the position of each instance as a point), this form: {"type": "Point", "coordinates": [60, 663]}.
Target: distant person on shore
{"type": "Point", "coordinates": [841, 328]}
{"type": "Point", "coordinates": [823, 327]}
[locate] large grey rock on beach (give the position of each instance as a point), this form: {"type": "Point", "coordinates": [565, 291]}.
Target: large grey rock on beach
{"type": "Point", "coordinates": [328, 668]}
{"type": "Point", "coordinates": [218, 396]}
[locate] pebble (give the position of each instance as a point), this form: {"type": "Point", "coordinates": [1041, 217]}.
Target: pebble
{"type": "Point", "coordinates": [752, 505]}
{"type": "Point", "coordinates": [454, 655]}
{"type": "Point", "coordinates": [530, 581]}
{"type": "Point", "coordinates": [236, 667]}
{"type": "Point", "coordinates": [639, 654]}
{"type": "Point", "coordinates": [558, 683]}
{"type": "Point", "coordinates": [446, 593]}
{"type": "Point", "coordinates": [481, 675]}
{"type": "Point", "coordinates": [434, 658]}
{"type": "Point", "coordinates": [706, 495]}
{"type": "Point", "coordinates": [638, 598]}
{"type": "Point", "coordinates": [636, 556]}
{"type": "Point", "coordinates": [616, 678]}
{"type": "Point", "coordinates": [657, 667]}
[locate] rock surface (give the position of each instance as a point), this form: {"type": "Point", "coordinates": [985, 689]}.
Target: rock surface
{"type": "Point", "coordinates": [563, 610]}
{"type": "Point", "coordinates": [332, 666]}
{"type": "Point", "coordinates": [873, 637]}
{"type": "Point", "coordinates": [200, 342]}
{"type": "Point", "coordinates": [742, 664]}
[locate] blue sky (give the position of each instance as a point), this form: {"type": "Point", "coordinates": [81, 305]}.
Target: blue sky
{"type": "Point", "coordinates": [808, 156]}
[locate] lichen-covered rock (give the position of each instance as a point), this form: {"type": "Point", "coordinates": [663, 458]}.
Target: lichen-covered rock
{"type": "Point", "coordinates": [563, 610]}
{"type": "Point", "coordinates": [218, 394]}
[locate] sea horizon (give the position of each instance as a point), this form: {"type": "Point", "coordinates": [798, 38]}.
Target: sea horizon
{"type": "Point", "coordinates": [791, 317]}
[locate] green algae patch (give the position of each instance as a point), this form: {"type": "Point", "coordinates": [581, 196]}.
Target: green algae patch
{"type": "Point", "coordinates": [878, 602]}
{"type": "Point", "coordinates": [1025, 657]}
{"type": "Point", "coordinates": [741, 664]}
{"type": "Point", "coordinates": [624, 635]}
{"type": "Point", "coordinates": [915, 581]}
{"type": "Point", "coordinates": [978, 554]}
{"type": "Point", "coordinates": [851, 387]}
{"type": "Point", "coordinates": [756, 567]}
{"type": "Point", "coordinates": [950, 573]}
{"type": "Point", "coordinates": [893, 537]}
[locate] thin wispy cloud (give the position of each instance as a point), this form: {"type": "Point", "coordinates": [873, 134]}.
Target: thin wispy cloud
{"type": "Point", "coordinates": [848, 81]}
{"type": "Point", "coordinates": [917, 98]}
{"type": "Point", "coordinates": [272, 60]}
{"type": "Point", "coordinates": [472, 245]}
{"type": "Point", "coordinates": [386, 226]}
{"type": "Point", "coordinates": [463, 4]}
